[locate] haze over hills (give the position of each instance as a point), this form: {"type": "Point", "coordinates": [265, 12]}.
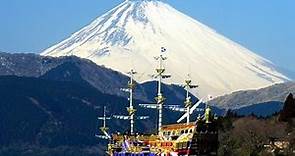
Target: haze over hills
{"type": "Point", "coordinates": [130, 35]}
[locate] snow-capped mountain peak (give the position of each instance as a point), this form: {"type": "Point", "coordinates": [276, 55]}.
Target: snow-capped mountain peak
{"type": "Point", "coordinates": [131, 34]}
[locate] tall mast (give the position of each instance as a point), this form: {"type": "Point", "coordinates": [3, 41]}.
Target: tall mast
{"type": "Point", "coordinates": [104, 127]}
{"type": "Point", "coordinates": [188, 102]}
{"type": "Point", "coordinates": [131, 109]}
{"type": "Point", "coordinates": [160, 75]}
{"type": "Point", "coordinates": [104, 118]}
{"type": "Point", "coordinates": [159, 105]}
{"type": "Point", "coordinates": [188, 107]}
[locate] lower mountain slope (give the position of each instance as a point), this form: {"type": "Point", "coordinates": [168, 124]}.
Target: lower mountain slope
{"type": "Point", "coordinates": [39, 113]}
{"type": "Point", "coordinates": [261, 110]}
{"type": "Point", "coordinates": [50, 112]}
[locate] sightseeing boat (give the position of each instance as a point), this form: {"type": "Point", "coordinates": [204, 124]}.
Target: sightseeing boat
{"type": "Point", "coordinates": [197, 138]}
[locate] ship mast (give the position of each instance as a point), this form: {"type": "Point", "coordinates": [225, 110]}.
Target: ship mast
{"type": "Point", "coordinates": [104, 127]}
{"type": "Point", "coordinates": [159, 105]}
{"type": "Point", "coordinates": [188, 108]}
{"type": "Point", "coordinates": [130, 109]}
{"type": "Point", "coordinates": [188, 102]}
{"type": "Point", "coordinates": [104, 119]}
{"type": "Point", "coordinates": [160, 75]}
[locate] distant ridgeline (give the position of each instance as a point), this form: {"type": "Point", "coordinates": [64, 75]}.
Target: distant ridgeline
{"type": "Point", "coordinates": [260, 102]}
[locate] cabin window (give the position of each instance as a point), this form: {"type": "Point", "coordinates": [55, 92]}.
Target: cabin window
{"type": "Point", "coordinates": [182, 131]}
{"type": "Point", "coordinates": [177, 146]}
{"type": "Point", "coordinates": [184, 145]}
{"type": "Point", "coordinates": [186, 131]}
{"type": "Point", "coordinates": [169, 133]}
{"type": "Point", "coordinates": [191, 130]}
{"type": "Point", "coordinates": [180, 145]}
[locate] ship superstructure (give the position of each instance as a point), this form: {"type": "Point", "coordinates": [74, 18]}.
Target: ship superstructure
{"type": "Point", "coordinates": [197, 138]}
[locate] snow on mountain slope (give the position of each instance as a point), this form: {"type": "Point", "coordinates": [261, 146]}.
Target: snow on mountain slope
{"type": "Point", "coordinates": [130, 35]}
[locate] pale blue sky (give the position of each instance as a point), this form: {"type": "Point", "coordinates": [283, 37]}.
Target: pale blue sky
{"type": "Point", "coordinates": [263, 26]}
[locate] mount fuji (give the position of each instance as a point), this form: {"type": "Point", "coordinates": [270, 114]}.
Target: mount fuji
{"type": "Point", "coordinates": [131, 35]}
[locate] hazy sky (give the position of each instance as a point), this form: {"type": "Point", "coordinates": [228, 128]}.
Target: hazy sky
{"type": "Point", "coordinates": [266, 27]}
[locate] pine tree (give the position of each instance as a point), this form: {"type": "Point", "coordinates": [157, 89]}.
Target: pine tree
{"type": "Point", "coordinates": [288, 111]}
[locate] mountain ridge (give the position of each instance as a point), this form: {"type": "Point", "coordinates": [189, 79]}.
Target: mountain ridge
{"type": "Point", "coordinates": [74, 69]}
{"type": "Point", "coordinates": [239, 99]}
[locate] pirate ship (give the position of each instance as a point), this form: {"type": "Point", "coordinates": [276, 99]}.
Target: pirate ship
{"type": "Point", "coordinates": [197, 138]}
